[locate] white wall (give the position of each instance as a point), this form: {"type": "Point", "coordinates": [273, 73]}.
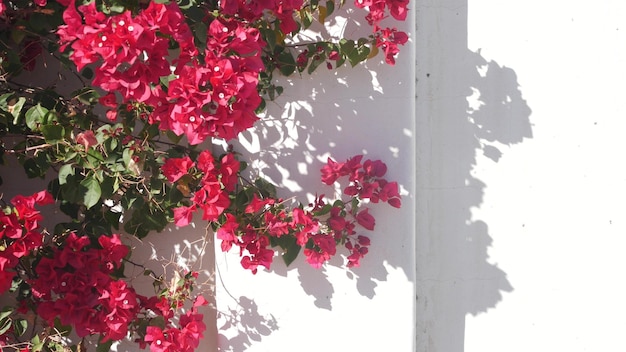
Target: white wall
{"type": "Point", "coordinates": [520, 179]}
{"type": "Point", "coordinates": [511, 234]}
{"type": "Point", "coordinates": [367, 109]}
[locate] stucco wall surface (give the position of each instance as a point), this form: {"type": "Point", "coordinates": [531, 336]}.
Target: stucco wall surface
{"type": "Point", "coordinates": [520, 124]}
{"type": "Point", "coordinates": [503, 122]}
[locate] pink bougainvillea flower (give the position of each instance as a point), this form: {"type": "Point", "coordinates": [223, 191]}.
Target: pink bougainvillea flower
{"type": "Point", "coordinates": [398, 8]}
{"type": "Point", "coordinates": [229, 169]}
{"type": "Point", "coordinates": [388, 40]}
{"type": "Point", "coordinates": [175, 168]}
{"type": "Point", "coordinates": [183, 215]}
{"type": "Point", "coordinates": [227, 232]}
{"type": "Point", "coordinates": [108, 100]}
{"type": "Point", "coordinates": [374, 168]}
{"type": "Point", "coordinates": [257, 203]}
{"type": "Point", "coordinates": [332, 171]}
{"type": "Point", "coordinates": [87, 139]}
{"type": "Point", "coordinates": [365, 219]}
{"type": "Point", "coordinates": [158, 342]}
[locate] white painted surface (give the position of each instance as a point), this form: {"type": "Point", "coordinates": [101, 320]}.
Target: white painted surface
{"type": "Point", "coordinates": [367, 109]}
{"type": "Point", "coordinates": [518, 201]}
{"type": "Point", "coordinates": [521, 242]}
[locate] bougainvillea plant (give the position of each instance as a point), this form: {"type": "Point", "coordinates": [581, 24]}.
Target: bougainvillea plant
{"type": "Point", "coordinates": [126, 154]}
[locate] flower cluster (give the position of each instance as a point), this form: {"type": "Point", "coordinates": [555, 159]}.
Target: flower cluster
{"type": "Point", "coordinates": [167, 337]}
{"type": "Point", "coordinates": [386, 38]}
{"type": "Point", "coordinates": [258, 220]}
{"type": "Point", "coordinates": [19, 233]}
{"type": "Point", "coordinates": [212, 93]}
{"type": "Point", "coordinates": [79, 283]}
{"type": "Point", "coordinates": [282, 11]}
{"type": "Point", "coordinates": [211, 184]}
{"type": "Point", "coordinates": [76, 285]}
{"type": "Point", "coordinates": [167, 76]}
{"type": "Point", "coordinates": [178, 339]}
{"type": "Point", "coordinates": [365, 180]}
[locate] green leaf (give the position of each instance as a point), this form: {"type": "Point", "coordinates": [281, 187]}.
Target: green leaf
{"type": "Point", "coordinates": [104, 346]}
{"type": "Point", "coordinates": [86, 95]}
{"type": "Point", "coordinates": [4, 98]}
{"type": "Point", "coordinates": [330, 7]}
{"type": "Point", "coordinates": [270, 38]}
{"type": "Point", "coordinates": [108, 186]}
{"type": "Point", "coordinates": [71, 154]}
{"type": "Point", "coordinates": [64, 330]}
{"type": "Point", "coordinates": [306, 17]}
{"type": "Point", "coordinates": [52, 133]}
{"type": "Point", "coordinates": [267, 189]}
{"type": "Point", "coordinates": [241, 200]}
{"type": "Point", "coordinates": [93, 193]}
{"type": "Point", "coordinates": [165, 80]}
{"type": "Point", "coordinates": [325, 210]}
{"type": "Point", "coordinates": [127, 155]}
{"type": "Point", "coordinates": [87, 73]}
{"type": "Point", "coordinates": [5, 325]}
{"type": "Point", "coordinates": [94, 157]}
{"type": "Point", "coordinates": [17, 35]}
{"type": "Point", "coordinates": [291, 249]}
{"type": "Point", "coordinates": [64, 172]}
{"type": "Point", "coordinates": [48, 98]}
{"type": "Point", "coordinates": [113, 219]}
{"type": "Point", "coordinates": [318, 59]}
{"type": "Point", "coordinates": [287, 63]}
{"type": "Point", "coordinates": [35, 116]}
{"type": "Point", "coordinates": [17, 108]}
{"type": "Point", "coordinates": [201, 31]}
{"type": "Point", "coordinates": [5, 313]}
{"type": "Point", "coordinates": [173, 136]}
{"type": "Point", "coordinates": [37, 344]}
{"type": "Point", "coordinates": [20, 326]}
{"type": "Point", "coordinates": [33, 169]}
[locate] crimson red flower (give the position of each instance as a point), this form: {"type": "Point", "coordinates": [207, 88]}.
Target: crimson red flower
{"type": "Point", "coordinates": [388, 40]}
{"type": "Point", "coordinates": [158, 342]}
{"type": "Point", "coordinates": [108, 100]}
{"type": "Point", "coordinates": [175, 168]}
{"type": "Point", "coordinates": [324, 248]}
{"type": "Point", "coordinates": [183, 215]}
{"type": "Point", "coordinates": [332, 171]}
{"type": "Point", "coordinates": [228, 232]}
{"type": "Point", "coordinates": [365, 219]}
{"type": "Point", "coordinates": [87, 139]}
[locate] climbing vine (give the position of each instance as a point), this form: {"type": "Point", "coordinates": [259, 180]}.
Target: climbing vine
{"type": "Point", "coordinates": [126, 154]}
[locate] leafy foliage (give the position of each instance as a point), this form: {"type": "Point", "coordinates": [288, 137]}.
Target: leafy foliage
{"type": "Point", "coordinates": [124, 155]}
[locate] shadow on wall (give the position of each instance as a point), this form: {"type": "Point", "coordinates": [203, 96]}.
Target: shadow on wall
{"type": "Point", "coordinates": [340, 114]}
{"type": "Point", "coordinates": [247, 324]}
{"type": "Point", "coordinates": [466, 106]}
